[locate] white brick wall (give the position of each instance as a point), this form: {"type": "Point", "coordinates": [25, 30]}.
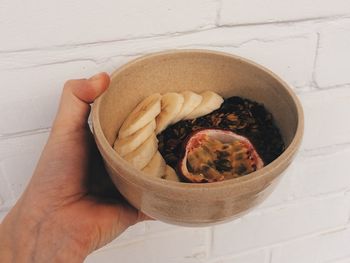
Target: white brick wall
{"type": "Point", "coordinates": [326, 127]}
{"type": "Point", "coordinates": [306, 42]}
{"type": "Point", "coordinates": [163, 247]}
{"type": "Point", "coordinates": [260, 256]}
{"type": "Point", "coordinates": [333, 55]}
{"type": "Point", "coordinates": [323, 248]}
{"type": "Point", "coordinates": [37, 24]}
{"type": "Point", "coordinates": [263, 228]}
{"type": "Point", "coordinates": [269, 11]}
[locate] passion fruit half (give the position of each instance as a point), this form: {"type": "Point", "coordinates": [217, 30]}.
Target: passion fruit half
{"type": "Point", "coordinates": [212, 155]}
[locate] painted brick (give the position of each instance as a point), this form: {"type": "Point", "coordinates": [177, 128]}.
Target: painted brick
{"type": "Point", "coordinates": [5, 190]}
{"type": "Point", "coordinates": [186, 246]}
{"type": "Point", "coordinates": [43, 45]}
{"type": "Point", "coordinates": [333, 55]}
{"type": "Point", "coordinates": [325, 115]}
{"type": "Point", "coordinates": [260, 256]}
{"type": "Point", "coordinates": [275, 225]}
{"type": "Point", "coordinates": [322, 248]}
{"type": "Point", "coordinates": [18, 158]}
{"type": "Point", "coordinates": [344, 260]}
{"type": "Point", "coordinates": [157, 227]}
{"type": "Point", "coordinates": [30, 97]}
{"type": "Point", "coordinates": [298, 57]}
{"type": "Point", "coordinates": [133, 233]}
{"type": "Point", "coordinates": [234, 12]}
{"type": "Point", "coordinates": [312, 176]}
{"type": "Point", "coordinates": [265, 45]}
{"type": "Point", "coordinates": [322, 174]}
{"type": "Point", "coordinates": [2, 215]}
{"type": "Point", "coordinates": [35, 24]}
{"type": "Point", "coordinates": [35, 91]}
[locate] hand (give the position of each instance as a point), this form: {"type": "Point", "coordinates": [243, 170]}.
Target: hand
{"type": "Point", "coordinates": [63, 215]}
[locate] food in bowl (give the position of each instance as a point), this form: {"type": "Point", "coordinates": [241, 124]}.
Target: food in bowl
{"type": "Point", "coordinates": [243, 117]}
{"type": "Point", "coordinates": [213, 155]}
{"type": "Point", "coordinates": [137, 142]}
{"type": "Point", "coordinates": [199, 204]}
{"type": "Point", "coordinates": [198, 138]}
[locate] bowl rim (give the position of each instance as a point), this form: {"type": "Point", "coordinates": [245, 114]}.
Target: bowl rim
{"type": "Point", "coordinates": [138, 177]}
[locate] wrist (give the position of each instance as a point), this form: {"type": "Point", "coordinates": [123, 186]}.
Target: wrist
{"type": "Point", "coordinates": [24, 239]}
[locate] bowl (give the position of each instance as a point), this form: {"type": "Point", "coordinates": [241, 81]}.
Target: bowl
{"type": "Point", "coordinates": [197, 70]}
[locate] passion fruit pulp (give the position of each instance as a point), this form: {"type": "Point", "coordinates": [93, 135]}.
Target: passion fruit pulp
{"type": "Point", "coordinates": [212, 155]}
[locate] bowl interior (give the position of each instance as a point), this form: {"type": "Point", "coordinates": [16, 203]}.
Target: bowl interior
{"type": "Point", "coordinates": [197, 71]}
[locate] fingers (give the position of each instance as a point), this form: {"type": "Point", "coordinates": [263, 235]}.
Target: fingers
{"type": "Point", "coordinates": [74, 106]}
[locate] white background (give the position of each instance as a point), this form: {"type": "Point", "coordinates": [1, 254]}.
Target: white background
{"type": "Point", "coordinates": [43, 43]}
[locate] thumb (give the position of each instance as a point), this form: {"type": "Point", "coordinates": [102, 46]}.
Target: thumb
{"type": "Point", "coordinates": [74, 106]}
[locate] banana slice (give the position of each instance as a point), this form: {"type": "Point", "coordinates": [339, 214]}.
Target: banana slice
{"type": "Point", "coordinates": [143, 114]}
{"type": "Point", "coordinates": [210, 102]}
{"type": "Point", "coordinates": [140, 157]}
{"type": "Point", "coordinates": [171, 106]}
{"type": "Point", "coordinates": [156, 167]}
{"type": "Point", "coordinates": [130, 143]}
{"type": "Point", "coordinates": [170, 174]}
{"type": "Point", "coordinates": [191, 101]}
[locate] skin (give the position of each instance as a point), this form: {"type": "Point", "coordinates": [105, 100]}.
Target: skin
{"type": "Point", "coordinates": [70, 207]}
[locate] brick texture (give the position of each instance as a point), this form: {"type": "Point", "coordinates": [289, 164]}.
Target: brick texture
{"type": "Point", "coordinates": [333, 55]}
{"type": "Point", "coordinates": [168, 245]}
{"type": "Point", "coordinates": [324, 248]}
{"type": "Point", "coordinates": [306, 218]}
{"type": "Point", "coordinates": [269, 11]}
{"type": "Point", "coordinates": [280, 224]}
{"type": "Point", "coordinates": [35, 24]}
{"type": "Point", "coordinates": [260, 256]}
{"type": "Point", "coordinates": [325, 115]}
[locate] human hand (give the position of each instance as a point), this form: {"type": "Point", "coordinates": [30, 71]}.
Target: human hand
{"type": "Point", "coordinates": [63, 215]}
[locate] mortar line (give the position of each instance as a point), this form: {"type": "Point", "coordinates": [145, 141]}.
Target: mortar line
{"type": "Point", "coordinates": [218, 13]}
{"type": "Point", "coordinates": [314, 82]}
{"type": "Point", "coordinates": [271, 246]}
{"type": "Point", "coordinates": [210, 242]}
{"type": "Point", "coordinates": [291, 21]}
{"type": "Point", "coordinates": [201, 28]}
{"type": "Point", "coordinates": [269, 255]}
{"type": "Point", "coordinates": [325, 150]}
{"type": "Point", "coordinates": [6, 136]}
{"type": "Point", "coordinates": [7, 204]}
{"type": "Point", "coordinates": [126, 55]}
{"type": "Point", "coordinates": [339, 259]}
{"type": "Point", "coordinates": [294, 202]}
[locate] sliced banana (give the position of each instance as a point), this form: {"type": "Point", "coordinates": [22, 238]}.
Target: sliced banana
{"type": "Point", "coordinates": [156, 167]}
{"type": "Point", "coordinates": [140, 157]}
{"type": "Point", "coordinates": [143, 114]}
{"type": "Point", "coordinates": [130, 143]}
{"type": "Point", "coordinates": [170, 174]}
{"type": "Point", "coordinates": [191, 101]}
{"type": "Point", "coordinates": [171, 104]}
{"type": "Point", "coordinates": [210, 102]}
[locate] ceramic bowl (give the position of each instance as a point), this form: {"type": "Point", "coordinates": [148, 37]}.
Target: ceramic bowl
{"type": "Point", "coordinates": [196, 70]}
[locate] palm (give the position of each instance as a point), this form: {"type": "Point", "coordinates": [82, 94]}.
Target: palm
{"type": "Point", "coordinates": [74, 189]}
{"type": "Point", "coordinates": [72, 195]}
{"type": "Point", "coordinates": [70, 206]}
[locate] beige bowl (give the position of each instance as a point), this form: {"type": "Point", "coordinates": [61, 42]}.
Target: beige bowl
{"type": "Point", "coordinates": [196, 70]}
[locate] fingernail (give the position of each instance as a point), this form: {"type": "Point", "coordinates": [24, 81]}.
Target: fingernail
{"type": "Point", "coordinates": [97, 76]}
